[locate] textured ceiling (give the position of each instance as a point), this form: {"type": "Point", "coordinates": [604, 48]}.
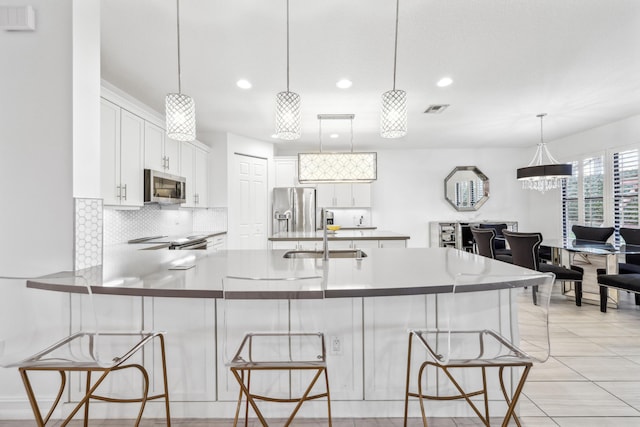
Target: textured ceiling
{"type": "Point", "coordinates": [577, 60]}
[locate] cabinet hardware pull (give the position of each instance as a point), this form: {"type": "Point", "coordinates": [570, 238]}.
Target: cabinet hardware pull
{"type": "Point", "coordinates": [125, 191]}
{"type": "Point", "coordinates": [118, 192]}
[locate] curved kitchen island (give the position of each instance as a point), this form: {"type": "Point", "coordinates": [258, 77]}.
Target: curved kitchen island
{"type": "Point", "coordinates": [365, 305]}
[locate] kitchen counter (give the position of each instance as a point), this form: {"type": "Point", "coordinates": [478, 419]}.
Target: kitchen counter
{"type": "Point", "coordinates": [342, 234]}
{"type": "Point", "coordinates": [197, 274]}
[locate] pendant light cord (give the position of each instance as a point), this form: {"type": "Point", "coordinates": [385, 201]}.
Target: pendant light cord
{"type": "Point", "coordinates": [287, 45]}
{"type": "Point", "coordinates": [178, 31]}
{"type": "Point", "coordinates": [395, 50]}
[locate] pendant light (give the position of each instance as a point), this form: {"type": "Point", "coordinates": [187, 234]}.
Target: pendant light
{"type": "Point", "coordinates": [544, 172]}
{"type": "Point", "coordinates": [288, 106]}
{"type": "Point", "coordinates": [180, 110]}
{"type": "Point", "coordinates": [393, 119]}
{"type": "Point", "coordinates": [349, 166]}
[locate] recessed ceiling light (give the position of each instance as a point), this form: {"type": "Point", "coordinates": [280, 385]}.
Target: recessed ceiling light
{"type": "Point", "coordinates": [274, 136]}
{"type": "Point", "coordinates": [244, 84]}
{"type": "Point", "coordinates": [344, 84]}
{"type": "Point", "coordinates": [444, 82]}
{"type": "Point", "coordinates": [334, 136]}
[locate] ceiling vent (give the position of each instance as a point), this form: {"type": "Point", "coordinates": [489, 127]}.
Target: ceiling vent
{"type": "Point", "coordinates": [436, 108]}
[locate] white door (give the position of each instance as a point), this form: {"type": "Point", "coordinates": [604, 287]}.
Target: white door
{"type": "Point", "coordinates": [249, 207]}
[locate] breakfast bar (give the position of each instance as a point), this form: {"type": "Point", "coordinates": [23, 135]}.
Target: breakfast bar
{"type": "Point", "coordinates": [366, 306]}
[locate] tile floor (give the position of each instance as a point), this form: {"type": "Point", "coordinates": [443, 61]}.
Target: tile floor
{"type": "Point", "coordinates": [592, 378]}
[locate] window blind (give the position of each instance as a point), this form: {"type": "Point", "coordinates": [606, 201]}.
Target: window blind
{"type": "Point", "coordinates": [570, 202]}
{"type": "Point", "coordinates": [625, 189]}
{"type": "Point", "coordinates": [593, 191]}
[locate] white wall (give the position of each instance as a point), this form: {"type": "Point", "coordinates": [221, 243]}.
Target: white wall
{"type": "Point", "coordinates": [409, 192]}
{"type": "Point", "coordinates": [36, 148]}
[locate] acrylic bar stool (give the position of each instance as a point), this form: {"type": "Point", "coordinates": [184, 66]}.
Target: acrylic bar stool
{"type": "Point", "coordinates": [279, 336]}
{"type": "Point", "coordinates": [481, 326]}
{"type": "Point", "coordinates": [72, 322]}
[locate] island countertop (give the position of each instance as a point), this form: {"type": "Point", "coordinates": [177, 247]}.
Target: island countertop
{"type": "Point", "coordinates": [266, 274]}
{"type": "Point", "coordinates": [342, 234]}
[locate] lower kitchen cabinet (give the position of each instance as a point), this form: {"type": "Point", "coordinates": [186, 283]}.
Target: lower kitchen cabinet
{"type": "Point", "coordinates": [190, 346]}
{"type": "Point", "coordinates": [386, 321]}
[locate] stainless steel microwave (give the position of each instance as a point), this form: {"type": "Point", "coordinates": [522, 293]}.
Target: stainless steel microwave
{"type": "Point", "coordinates": [160, 187]}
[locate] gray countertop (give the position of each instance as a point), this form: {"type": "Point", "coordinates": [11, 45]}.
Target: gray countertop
{"type": "Point", "coordinates": [266, 274]}
{"type": "Point", "coordinates": [342, 234]}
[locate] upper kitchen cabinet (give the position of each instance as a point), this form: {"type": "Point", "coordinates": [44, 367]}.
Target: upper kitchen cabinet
{"type": "Point", "coordinates": [194, 167]}
{"type": "Point", "coordinates": [344, 195]}
{"type": "Point", "coordinates": [160, 153]}
{"type": "Point", "coordinates": [121, 142]}
{"type": "Point", "coordinates": [286, 171]}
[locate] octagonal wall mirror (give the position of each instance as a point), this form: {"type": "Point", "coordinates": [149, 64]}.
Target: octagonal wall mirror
{"type": "Point", "coordinates": [466, 188]}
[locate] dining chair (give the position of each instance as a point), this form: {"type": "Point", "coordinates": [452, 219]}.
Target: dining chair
{"type": "Point", "coordinates": [481, 327]}
{"type": "Point", "coordinates": [484, 239]}
{"type": "Point", "coordinates": [631, 265]}
{"type": "Point", "coordinates": [499, 243]}
{"type": "Point", "coordinates": [590, 235]}
{"type": "Point", "coordinates": [525, 252]}
{"type": "Point", "coordinates": [64, 334]}
{"type": "Point", "coordinates": [283, 338]}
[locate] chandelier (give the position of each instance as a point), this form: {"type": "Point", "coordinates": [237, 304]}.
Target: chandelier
{"type": "Point", "coordinates": [346, 167]}
{"type": "Point", "coordinates": [393, 117]}
{"type": "Point", "coordinates": [544, 172]}
{"type": "Point", "coordinates": [180, 110]}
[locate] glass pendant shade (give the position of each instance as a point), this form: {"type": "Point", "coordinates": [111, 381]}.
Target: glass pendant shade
{"type": "Point", "coordinates": [288, 115]}
{"type": "Point", "coordinates": [393, 120]}
{"type": "Point", "coordinates": [180, 112]}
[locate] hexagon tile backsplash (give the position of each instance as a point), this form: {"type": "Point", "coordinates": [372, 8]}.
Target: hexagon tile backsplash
{"type": "Point", "coordinates": [88, 233]}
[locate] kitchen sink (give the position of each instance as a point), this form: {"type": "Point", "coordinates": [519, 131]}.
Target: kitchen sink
{"type": "Point", "coordinates": [346, 253]}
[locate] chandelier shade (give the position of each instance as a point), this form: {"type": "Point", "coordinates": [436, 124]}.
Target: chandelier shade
{"type": "Point", "coordinates": [180, 110]}
{"type": "Point", "coordinates": [543, 172]}
{"type": "Point", "coordinates": [337, 167]}
{"type": "Point", "coordinates": [393, 116]}
{"type": "Point", "coordinates": [180, 114]}
{"type": "Point", "coordinates": [393, 119]}
{"type": "Point", "coordinates": [288, 116]}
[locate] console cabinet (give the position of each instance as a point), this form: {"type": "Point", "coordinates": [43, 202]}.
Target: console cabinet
{"type": "Point", "coordinates": [456, 234]}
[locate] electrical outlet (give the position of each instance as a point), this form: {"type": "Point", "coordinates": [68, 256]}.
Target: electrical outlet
{"type": "Point", "coordinates": [335, 346]}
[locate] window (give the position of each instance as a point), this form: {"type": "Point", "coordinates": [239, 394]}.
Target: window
{"type": "Point", "coordinates": [625, 189]}
{"type": "Point", "coordinates": [593, 191]}
{"type": "Point", "coordinates": [570, 211]}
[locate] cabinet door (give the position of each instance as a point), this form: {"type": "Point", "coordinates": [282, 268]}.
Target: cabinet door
{"type": "Point", "coordinates": [201, 176]}
{"type": "Point", "coordinates": [285, 172]}
{"type": "Point", "coordinates": [325, 195]}
{"type": "Point", "coordinates": [172, 154]}
{"type": "Point", "coordinates": [343, 195]}
{"type": "Point", "coordinates": [131, 143]}
{"type": "Point", "coordinates": [153, 147]}
{"type": "Point", "coordinates": [393, 244]}
{"type": "Point", "coordinates": [361, 195]}
{"type": "Point", "coordinates": [361, 244]}
{"type": "Point", "coordinates": [187, 153]}
{"type": "Point", "coordinates": [110, 152]}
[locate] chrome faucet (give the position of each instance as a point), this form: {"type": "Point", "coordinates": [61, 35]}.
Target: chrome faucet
{"type": "Point", "coordinates": [325, 240]}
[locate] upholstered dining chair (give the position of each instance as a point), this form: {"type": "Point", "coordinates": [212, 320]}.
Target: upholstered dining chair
{"type": "Point", "coordinates": [484, 238]}
{"type": "Point", "coordinates": [590, 234]}
{"type": "Point", "coordinates": [499, 243]}
{"type": "Point", "coordinates": [495, 326]}
{"type": "Point", "coordinates": [524, 250]}
{"type": "Point", "coordinates": [66, 334]}
{"type": "Point", "coordinates": [631, 265]}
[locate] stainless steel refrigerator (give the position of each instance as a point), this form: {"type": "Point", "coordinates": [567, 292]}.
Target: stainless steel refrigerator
{"type": "Point", "coordinates": [294, 209]}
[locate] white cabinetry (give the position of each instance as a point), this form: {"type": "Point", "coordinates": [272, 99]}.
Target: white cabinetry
{"type": "Point", "coordinates": [217, 243]}
{"type": "Point", "coordinates": [160, 153]}
{"type": "Point", "coordinates": [344, 195]}
{"type": "Point", "coordinates": [286, 171]}
{"type": "Point", "coordinates": [194, 168]}
{"type": "Point", "coordinates": [121, 142]}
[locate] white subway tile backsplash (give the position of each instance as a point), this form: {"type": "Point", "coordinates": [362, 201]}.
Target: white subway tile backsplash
{"type": "Point", "coordinates": [88, 233]}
